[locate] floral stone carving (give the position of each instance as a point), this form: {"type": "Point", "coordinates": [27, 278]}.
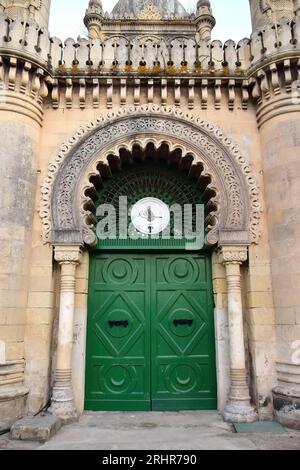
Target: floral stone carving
{"type": "Point", "coordinates": [61, 209]}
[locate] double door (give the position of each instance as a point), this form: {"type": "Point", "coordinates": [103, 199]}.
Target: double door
{"type": "Point", "coordinates": [150, 338]}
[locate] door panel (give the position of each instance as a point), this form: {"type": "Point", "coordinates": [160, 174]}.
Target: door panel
{"type": "Point", "coordinates": [183, 359]}
{"type": "Point", "coordinates": [118, 346]}
{"type": "Point", "coordinates": [150, 342]}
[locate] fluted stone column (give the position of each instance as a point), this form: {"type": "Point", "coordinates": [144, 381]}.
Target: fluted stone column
{"type": "Point", "coordinates": [238, 408]}
{"type": "Point", "coordinates": [62, 402]}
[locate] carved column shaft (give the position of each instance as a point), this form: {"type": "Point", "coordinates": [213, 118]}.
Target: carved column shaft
{"type": "Point", "coordinates": [66, 313]}
{"type": "Point", "coordinates": [239, 389]}
{"type": "Point", "coordinates": [238, 408]}
{"type": "Point", "coordinates": [62, 403]}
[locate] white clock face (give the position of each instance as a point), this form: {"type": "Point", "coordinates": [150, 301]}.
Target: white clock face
{"type": "Point", "coordinates": [150, 216]}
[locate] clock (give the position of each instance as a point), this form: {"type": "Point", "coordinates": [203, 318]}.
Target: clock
{"type": "Point", "coordinates": [150, 216]}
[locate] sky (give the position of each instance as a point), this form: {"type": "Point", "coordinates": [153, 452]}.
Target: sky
{"type": "Point", "coordinates": [233, 17]}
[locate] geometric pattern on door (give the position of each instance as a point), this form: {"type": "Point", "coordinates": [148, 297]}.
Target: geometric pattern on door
{"type": "Point", "coordinates": [150, 338]}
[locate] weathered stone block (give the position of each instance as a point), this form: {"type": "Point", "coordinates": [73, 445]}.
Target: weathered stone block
{"type": "Point", "coordinates": [260, 299]}
{"type": "Point", "coordinates": [81, 286]}
{"type": "Point", "coordinates": [40, 300]}
{"type": "Point", "coordinates": [12, 333]}
{"type": "Point", "coordinates": [39, 428]}
{"type": "Point", "coordinates": [287, 409]}
{"type": "Point", "coordinates": [261, 316]}
{"type": "Point", "coordinates": [81, 301]}
{"type": "Point", "coordinates": [12, 406]}
{"type": "Point", "coordinates": [14, 351]}
{"type": "Point", "coordinates": [262, 333]}
{"type": "Point", "coordinates": [285, 316]}
{"type": "Point", "coordinates": [260, 283]}
{"type": "Point", "coordinates": [220, 285]}
{"type": "Point", "coordinates": [40, 316]}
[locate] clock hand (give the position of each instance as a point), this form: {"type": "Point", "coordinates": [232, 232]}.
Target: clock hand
{"type": "Point", "coordinates": [149, 215]}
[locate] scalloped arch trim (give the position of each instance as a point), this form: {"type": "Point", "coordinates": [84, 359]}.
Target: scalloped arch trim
{"type": "Point", "coordinates": [68, 175]}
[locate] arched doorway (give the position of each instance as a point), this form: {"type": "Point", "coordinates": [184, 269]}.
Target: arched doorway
{"type": "Point", "coordinates": [150, 334]}
{"type": "Point", "coordinates": [68, 217]}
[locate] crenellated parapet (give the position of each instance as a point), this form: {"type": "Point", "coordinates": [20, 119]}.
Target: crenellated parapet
{"type": "Point", "coordinates": [79, 71]}
{"type": "Point", "coordinates": [146, 54]}
{"type": "Point", "coordinates": [24, 39]}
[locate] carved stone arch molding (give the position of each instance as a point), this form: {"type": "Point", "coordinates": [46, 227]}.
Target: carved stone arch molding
{"type": "Point", "coordinates": [65, 210]}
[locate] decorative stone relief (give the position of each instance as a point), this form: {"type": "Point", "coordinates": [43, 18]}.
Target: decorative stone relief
{"type": "Point", "coordinates": [65, 254]}
{"type": "Point", "coordinates": [237, 191]}
{"type": "Point", "coordinates": [149, 12]}
{"type": "Point", "coordinates": [231, 254]}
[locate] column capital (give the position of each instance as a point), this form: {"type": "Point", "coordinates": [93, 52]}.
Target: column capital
{"type": "Point", "coordinates": [67, 254]}
{"type": "Point", "coordinates": [233, 254]}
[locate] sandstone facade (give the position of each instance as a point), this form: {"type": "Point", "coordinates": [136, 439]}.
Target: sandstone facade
{"type": "Point", "coordinates": [69, 108]}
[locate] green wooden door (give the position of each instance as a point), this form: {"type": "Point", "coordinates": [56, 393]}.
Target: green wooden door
{"type": "Point", "coordinates": [150, 339]}
{"type": "Point", "coordinates": [182, 334]}
{"type": "Point", "coordinates": [118, 336]}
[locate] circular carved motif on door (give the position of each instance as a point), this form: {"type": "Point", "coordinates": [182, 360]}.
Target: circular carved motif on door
{"type": "Point", "coordinates": [181, 270]}
{"type": "Point", "coordinates": [118, 379]}
{"type": "Point", "coordinates": [183, 378]}
{"type": "Point", "coordinates": [120, 271]}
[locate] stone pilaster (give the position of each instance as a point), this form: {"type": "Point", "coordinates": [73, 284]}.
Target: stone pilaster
{"type": "Point", "coordinates": [238, 408]}
{"type": "Point", "coordinates": [62, 402]}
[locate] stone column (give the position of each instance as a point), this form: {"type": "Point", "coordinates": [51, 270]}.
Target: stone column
{"type": "Point", "coordinates": [280, 142]}
{"type": "Point", "coordinates": [62, 402]}
{"type": "Point", "coordinates": [238, 408]}
{"type": "Point", "coordinates": [21, 119]}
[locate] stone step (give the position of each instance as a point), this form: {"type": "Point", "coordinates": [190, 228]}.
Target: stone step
{"type": "Point", "coordinates": [36, 428]}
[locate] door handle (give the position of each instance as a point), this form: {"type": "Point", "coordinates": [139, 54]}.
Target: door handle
{"type": "Point", "coordinates": [118, 323]}
{"type": "Point", "coordinates": [183, 322]}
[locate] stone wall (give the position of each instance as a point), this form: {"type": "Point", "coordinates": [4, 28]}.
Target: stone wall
{"type": "Point", "coordinates": [59, 125]}
{"type": "Point", "coordinates": [72, 84]}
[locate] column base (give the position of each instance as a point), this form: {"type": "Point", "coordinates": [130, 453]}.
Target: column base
{"type": "Point", "coordinates": [286, 403]}
{"type": "Point", "coordinates": [239, 412]}
{"type": "Point", "coordinates": [62, 404]}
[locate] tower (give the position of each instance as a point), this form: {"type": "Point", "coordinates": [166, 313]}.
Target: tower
{"type": "Point", "coordinates": [93, 18]}
{"type": "Point", "coordinates": [205, 20]}
{"type": "Point", "coordinates": [280, 147]}
{"type": "Point", "coordinates": [23, 87]}
{"type": "Point", "coordinates": [37, 10]}
{"type": "Point", "coordinates": [264, 12]}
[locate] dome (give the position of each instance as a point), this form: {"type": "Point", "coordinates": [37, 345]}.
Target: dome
{"type": "Point", "coordinates": [203, 3]}
{"type": "Point", "coordinates": [164, 8]}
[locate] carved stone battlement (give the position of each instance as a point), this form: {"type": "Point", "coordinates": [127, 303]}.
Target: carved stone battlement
{"type": "Point", "coordinates": [79, 73]}
{"type": "Point", "coordinates": [145, 54]}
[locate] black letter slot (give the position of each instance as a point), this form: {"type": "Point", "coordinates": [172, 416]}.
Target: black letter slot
{"type": "Point", "coordinates": [183, 322]}
{"type": "Point", "coordinates": [118, 323]}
